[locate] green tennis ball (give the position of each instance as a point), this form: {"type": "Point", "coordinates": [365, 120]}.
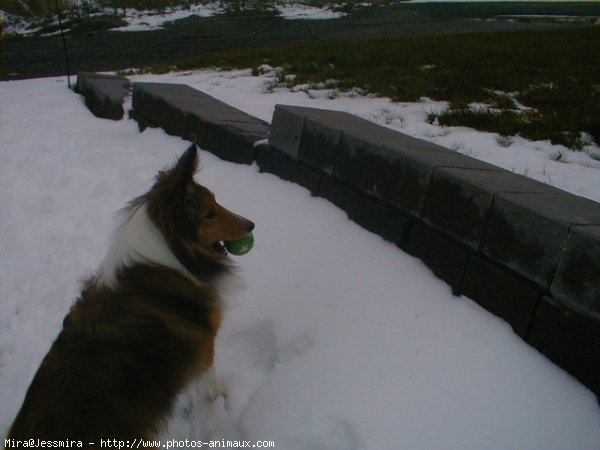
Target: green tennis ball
{"type": "Point", "coordinates": [241, 246]}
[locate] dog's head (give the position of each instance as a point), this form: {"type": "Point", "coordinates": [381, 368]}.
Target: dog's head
{"type": "Point", "coordinates": [191, 220]}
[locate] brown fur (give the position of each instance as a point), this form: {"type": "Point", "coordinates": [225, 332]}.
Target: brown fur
{"type": "Point", "coordinates": [126, 350]}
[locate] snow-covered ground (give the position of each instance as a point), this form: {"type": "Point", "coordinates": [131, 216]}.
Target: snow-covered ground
{"type": "Point", "coordinates": [146, 20]}
{"type": "Point", "coordinates": [334, 338]}
{"type": "Point", "coordinates": [152, 20]}
{"type": "Point", "coordinates": [149, 20]}
{"type": "Point", "coordinates": [297, 11]}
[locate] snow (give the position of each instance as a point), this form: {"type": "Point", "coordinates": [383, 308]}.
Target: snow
{"type": "Point", "coordinates": [152, 20]}
{"type": "Point", "coordinates": [147, 20]}
{"type": "Point", "coordinates": [333, 338]}
{"type": "Point", "coordinates": [297, 11]}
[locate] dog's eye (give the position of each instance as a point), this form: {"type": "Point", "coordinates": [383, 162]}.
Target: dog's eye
{"type": "Point", "coordinates": [211, 214]}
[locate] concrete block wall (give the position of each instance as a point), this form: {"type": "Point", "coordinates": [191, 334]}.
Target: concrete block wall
{"type": "Point", "coordinates": [525, 251]}
{"type": "Point", "coordinates": [104, 94]}
{"type": "Point", "coordinates": [191, 114]}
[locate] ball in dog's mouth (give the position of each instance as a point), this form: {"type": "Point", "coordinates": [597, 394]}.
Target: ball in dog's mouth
{"type": "Point", "coordinates": [241, 246]}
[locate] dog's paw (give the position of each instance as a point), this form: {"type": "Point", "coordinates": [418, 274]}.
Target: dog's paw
{"type": "Point", "coordinates": [215, 416]}
{"type": "Point", "coordinates": [215, 388]}
{"type": "Point", "coordinates": [210, 407]}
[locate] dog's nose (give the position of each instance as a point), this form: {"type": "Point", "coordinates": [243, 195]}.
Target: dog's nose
{"type": "Point", "coordinates": [247, 224]}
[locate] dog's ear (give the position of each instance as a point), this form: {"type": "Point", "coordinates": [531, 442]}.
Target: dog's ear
{"type": "Point", "coordinates": [187, 164]}
{"type": "Point", "coordinates": [183, 172]}
{"type": "Point", "coordinates": [172, 184]}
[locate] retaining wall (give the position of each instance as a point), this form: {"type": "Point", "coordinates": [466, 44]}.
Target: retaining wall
{"type": "Point", "coordinates": [104, 94]}
{"type": "Point", "coordinates": [213, 125]}
{"type": "Point", "coordinates": [525, 251]}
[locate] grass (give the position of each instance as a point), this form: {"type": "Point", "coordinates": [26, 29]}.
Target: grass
{"type": "Point", "coordinates": [554, 74]}
{"type": "Point", "coordinates": [558, 112]}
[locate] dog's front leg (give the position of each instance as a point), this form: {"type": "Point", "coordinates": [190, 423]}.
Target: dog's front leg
{"type": "Point", "coordinates": [210, 410]}
{"type": "Point", "coordinates": [215, 388]}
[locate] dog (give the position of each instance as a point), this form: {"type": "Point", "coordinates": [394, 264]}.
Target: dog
{"type": "Point", "coordinates": [144, 325]}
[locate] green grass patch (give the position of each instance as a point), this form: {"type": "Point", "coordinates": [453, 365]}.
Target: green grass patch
{"type": "Point", "coordinates": [555, 73]}
{"type": "Point", "coordinates": [534, 126]}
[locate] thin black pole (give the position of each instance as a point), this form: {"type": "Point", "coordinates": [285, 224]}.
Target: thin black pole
{"type": "Point", "coordinates": [62, 36]}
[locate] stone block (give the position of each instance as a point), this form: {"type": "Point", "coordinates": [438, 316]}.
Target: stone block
{"type": "Point", "coordinates": [382, 220]}
{"type": "Point", "coordinates": [392, 166]}
{"type": "Point", "coordinates": [319, 144]}
{"type": "Point", "coordinates": [142, 121]}
{"type": "Point", "coordinates": [104, 94]}
{"type": "Point", "coordinates": [527, 231]}
{"type": "Point", "coordinates": [458, 199]}
{"type": "Point", "coordinates": [231, 141]}
{"type": "Point", "coordinates": [215, 126]}
{"type": "Point", "coordinates": [286, 129]}
{"type": "Point", "coordinates": [571, 340]}
{"type": "Point", "coordinates": [501, 292]}
{"type": "Point", "coordinates": [155, 90]}
{"type": "Point", "coordinates": [166, 105]}
{"type": "Point", "coordinates": [309, 134]}
{"type": "Point", "coordinates": [343, 197]}
{"type": "Point", "coordinates": [446, 259]}
{"type": "Point", "coordinates": [577, 279]}
{"type": "Point", "coordinates": [272, 161]}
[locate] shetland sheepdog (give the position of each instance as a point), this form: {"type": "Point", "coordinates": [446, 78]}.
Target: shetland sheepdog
{"type": "Point", "coordinates": [145, 323]}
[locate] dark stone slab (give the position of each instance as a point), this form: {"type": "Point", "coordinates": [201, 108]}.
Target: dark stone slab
{"type": "Point", "coordinates": [289, 125]}
{"type": "Point", "coordinates": [376, 160]}
{"type": "Point", "coordinates": [319, 144]}
{"type": "Point", "coordinates": [382, 220]}
{"type": "Point", "coordinates": [214, 125]}
{"type": "Point", "coordinates": [389, 182]}
{"type": "Point", "coordinates": [446, 259]}
{"type": "Point", "coordinates": [527, 231]}
{"type": "Point", "coordinates": [172, 114]}
{"type": "Point", "coordinates": [344, 198]}
{"type": "Point", "coordinates": [142, 101]}
{"type": "Point", "coordinates": [286, 129]}
{"type": "Point", "coordinates": [394, 167]}
{"type": "Point", "coordinates": [271, 161]}
{"type": "Point", "coordinates": [569, 339]}
{"type": "Point", "coordinates": [501, 292]}
{"type": "Point", "coordinates": [167, 89]}
{"type": "Point", "coordinates": [142, 121]}
{"type": "Point", "coordinates": [577, 279]}
{"type": "Point", "coordinates": [104, 94]}
{"type": "Point", "coordinates": [230, 141]}
{"type": "Point", "coordinates": [458, 200]}
{"type": "Point", "coordinates": [147, 96]}
{"type": "Point", "coordinates": [166, 104]}
{"type": "Point", "coordinates": [186, 98]}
